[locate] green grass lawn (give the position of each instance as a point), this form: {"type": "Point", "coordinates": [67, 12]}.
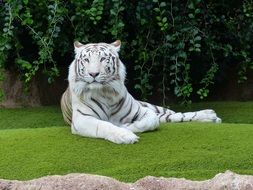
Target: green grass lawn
{"type": "Point", "coordinates": [35, 142]}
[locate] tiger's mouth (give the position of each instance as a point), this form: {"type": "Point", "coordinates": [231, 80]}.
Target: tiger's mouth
{"type": "Point", "coordinates": [95, 81]}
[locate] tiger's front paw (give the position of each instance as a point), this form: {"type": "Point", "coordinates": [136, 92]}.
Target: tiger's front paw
{"type": "Point", "coordinates": [122, 136]}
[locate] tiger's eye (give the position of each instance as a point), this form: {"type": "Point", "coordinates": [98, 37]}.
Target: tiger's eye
{"type": "Point", "coordinates": [87, 60]}
{"type": "Point", "coordinates": [102, 59]}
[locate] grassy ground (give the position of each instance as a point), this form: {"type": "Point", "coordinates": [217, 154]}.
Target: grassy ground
{"type": "Point", "coordinates": [35, 142]}
{"type": "Point", "coordinates": [39, 117]}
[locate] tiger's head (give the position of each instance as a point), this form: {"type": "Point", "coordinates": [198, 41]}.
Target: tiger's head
{"type": "Point", "coordinates": [97, 65]}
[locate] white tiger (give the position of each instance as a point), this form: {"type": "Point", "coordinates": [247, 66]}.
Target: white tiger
{"type": "Point", "coordinates": [97, 103]}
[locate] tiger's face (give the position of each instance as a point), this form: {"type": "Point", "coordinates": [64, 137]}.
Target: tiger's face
{"type": "Point", "coordinates": [98, 64]}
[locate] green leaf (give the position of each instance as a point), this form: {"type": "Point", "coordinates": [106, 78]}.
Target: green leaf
{"type": "Point", "coordinates": [100, 8]}
{"type": "Point", "coordinates": [163, 4]}
{"type": "Point", "coordinates": [197, 11]}
{"type": "Point", "coordinates": [5, 29]}
{"type": "Point", "coordinates": [93, 9]}
{"type": "Point", "coordinates": [157, 10]}
{"type": "Point", "coordinates": [7, 46]}
{"type": "Point", "coordinates": [160, 24]}
{"type": "Point", "coordinates": [197, 38]}
{"type": "Point", "coordinates": [98, 17]}
{"type": "Point", "coordinates": [191, 6]}
{"type": "Point", "coordinates": [197, 50]}
{"type": "Point", "coordinates": [183, 55]}
{"type": "Point", "coordinates": [164, 19]}
{"type": "Point", "coordinates": [137, 86]}
{"type": "Point", "coordinates": [23, 64]}
{"type": "Point", "coordinates": [191, 49]}
{"type": "Point", "coordinates": [190, 15]}
{"type": "Point", "coordinates": [158, 18]}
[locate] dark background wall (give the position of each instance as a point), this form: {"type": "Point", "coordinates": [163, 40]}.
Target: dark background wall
{"type": "Point", "coordinates": [42, 93]}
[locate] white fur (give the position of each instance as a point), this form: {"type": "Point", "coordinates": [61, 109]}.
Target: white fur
{"type": "Point", "coordinates": [103, 119]}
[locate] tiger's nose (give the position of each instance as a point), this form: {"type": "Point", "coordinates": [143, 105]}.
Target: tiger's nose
{"type": "Point", "coordinates": [94, 75]}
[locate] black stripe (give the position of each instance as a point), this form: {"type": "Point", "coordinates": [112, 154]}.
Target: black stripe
{"type": "Point", "coordinates": [143, 115]}
{"type": "Point", "coordinates": [68, 117]}
{"type": "Point", "coordinates": [136, 115]}
{"type": "Point", "coordinates": [104, 46]}
{"type": "Point", "coordinates": [182, 119]}
{"type": "Point", "coordinates": [92, 110]}
{"type": "Point", "coordinates": [114, 64]}
{"type": "Point", "coordinates": [193, 116]}
{"type": "Point", "coordinates": [144, 104]}
{"type": "Point", "coordinates": [119, 102]}
{"type": "Point", "coordinates": [161, 115]}
{"type": "Point", "coordinates": [119, 106]}
{"type": "Point", "coordinates": [83, 113]}
{"type": "Point", "coordinates": [79, 67]}
{"type": "Point", "coordinates": [87, 48]}
{"type": "Point", "coordinates": [129, 111]}
{"type": "Point", "coordinates": [167, 118]}
{"type": "Point", "coordinates": [156, 109]}
{"type": "Point", "coordinates": [100, 106]}
{"type": "Point", "coordinates": [104, 103]}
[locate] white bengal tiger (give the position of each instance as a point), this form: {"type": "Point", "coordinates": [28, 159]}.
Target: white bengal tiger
{"type": "Point", "coordinates": [97, 103]}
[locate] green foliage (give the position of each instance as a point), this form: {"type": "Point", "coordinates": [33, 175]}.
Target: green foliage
{"type": "Point", "coordinates": [96, 11]}
{"type": "Point", "coordinates": [40, 145]}
{"type": "Point", "coordinates": [206, 81]}
{"type": "Point", "coordinates": [184, 45]}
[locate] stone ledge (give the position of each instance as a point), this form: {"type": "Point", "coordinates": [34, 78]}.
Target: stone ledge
{"type": "Point", "coordinates": [222, 181]}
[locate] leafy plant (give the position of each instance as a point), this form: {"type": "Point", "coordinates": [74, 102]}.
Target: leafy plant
{"type": "Point", "coordinates": [176, 46]}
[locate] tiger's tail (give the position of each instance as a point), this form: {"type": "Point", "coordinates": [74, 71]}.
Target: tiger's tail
{"type": "Point", "coordinates": [66, 106]}
{"type": "Point", "coordinates": [167, 115]}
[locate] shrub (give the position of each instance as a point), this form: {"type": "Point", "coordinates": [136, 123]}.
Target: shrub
{"type": "Point", "coordinates": [183, 45]}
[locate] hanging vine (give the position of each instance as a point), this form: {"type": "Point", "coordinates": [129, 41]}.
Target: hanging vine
{"type": "Point", "coordinates": [165, 40]}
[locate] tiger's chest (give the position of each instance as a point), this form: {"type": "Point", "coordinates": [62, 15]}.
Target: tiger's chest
{"type": "Point", "coordinates": [106, 105]}
{"type": "Point", "coordinates": [103, 105]}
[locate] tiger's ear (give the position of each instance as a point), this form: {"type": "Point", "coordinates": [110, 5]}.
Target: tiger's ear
{"type": "Point", "coordinates": [77, 44]}
{"type": "Point", "coordinates": [117, 45]}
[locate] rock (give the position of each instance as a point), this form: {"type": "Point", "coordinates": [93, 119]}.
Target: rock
{"type": "Point", "coordinates": [227, 180]}
{"type": "Point", "coordinates": [67, 182]}
{"type": "Point", "coordinates": [14, 92]}
{"type": "Point", "coordinates": [39, 91]}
